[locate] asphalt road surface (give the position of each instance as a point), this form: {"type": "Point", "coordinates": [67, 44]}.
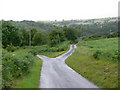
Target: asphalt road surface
{"type": "Point", "coordinates": [56, 74]}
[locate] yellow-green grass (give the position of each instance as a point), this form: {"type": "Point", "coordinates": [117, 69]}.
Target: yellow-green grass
{"type": "Point", "coordinates": [102, 72]}
{"type": "Point", "coordinates": [52, 54]}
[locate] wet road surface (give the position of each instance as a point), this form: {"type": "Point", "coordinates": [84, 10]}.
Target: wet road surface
{"type": "Point", "coordinates": [56, 74]}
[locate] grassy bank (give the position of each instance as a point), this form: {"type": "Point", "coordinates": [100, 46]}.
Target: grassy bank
{"type": "Point", "coordinates": [101, 69]}
{"type": "Point", "coordinates": [30, 80]}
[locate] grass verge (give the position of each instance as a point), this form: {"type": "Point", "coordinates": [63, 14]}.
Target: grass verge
{"type": "Point", "coordinates": [102, 72]}
{"type": "Point", "coordinates": [52, 54]}
{"type": "Point", "coordinates": [31, 80]}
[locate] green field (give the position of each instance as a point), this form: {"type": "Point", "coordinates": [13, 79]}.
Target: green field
{"type": "Point", "coordinates": [97, 60]}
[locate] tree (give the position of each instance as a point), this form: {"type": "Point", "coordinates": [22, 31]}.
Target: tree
{"type": "Point", "coordinates": [25, 37]}
{"type": "Point", "coordinates": [56, 36]}
{"type": "Point", "coordinates": [70, 33]}
{"type": "Point", "coordinates": [33, 31]}
{"type": "Point", "coordinates": [78, 31]}
{"type": "Point", "coordinates": [10, 34]}
{"type": "Point", "coordinates": [38, 39]}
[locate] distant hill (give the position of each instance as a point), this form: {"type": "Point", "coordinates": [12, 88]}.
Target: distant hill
{"type": "Point", "coordinates": [84, 22]}
{"type": "Point", "coordinates": [102, 26]}
{"type": "Point", "coordinates": [27, 25]}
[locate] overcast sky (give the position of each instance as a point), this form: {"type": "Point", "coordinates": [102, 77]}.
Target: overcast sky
{"type": "Point", "coordinates": [57, 9]}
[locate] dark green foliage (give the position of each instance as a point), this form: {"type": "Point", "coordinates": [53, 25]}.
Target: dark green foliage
{"type": "Point", "coordinates": [83, 27]}
{"type": "Point", "coordinates": [97, 54]}
{"type": "Point", "coordinates": [46, 48]}
{"type": "Point", "coordinates": [33, 31]}
{"type": "Point", "coordinates": [10, 34]}
{"type": "Point", "coordinates": [10, 48]}
{"type": "Point", "coordinates": [103, 26]}
{"type": "Point", "coordinates": [14, 66]}
{"type": "Point", "coordinates": [112, 35]}
{"type": "Point", "coordinates": [27, 25]}
{"type": "Point", "coordinates": [100, 28]}
{"type": "Point", "coordinates": [38, 39]}
{"type": "Point", "coordinates": [56, 36]}
{"type": "Point", "coordinates": [70, 33]}
{"type": "Point", "coordinates": [116, 55]}
{"type": "Point", "coordinates": [25, 38]}
{"type": "Point", "coordinates": [78, 30]}
{"type": "Point", "coordinates": [74, 41]}
{"type": "Point", "coordinates": [92, 37]}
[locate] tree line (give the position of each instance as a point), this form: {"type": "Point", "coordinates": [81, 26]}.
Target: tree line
{"type": "Point", "coordinates": [13, 35]}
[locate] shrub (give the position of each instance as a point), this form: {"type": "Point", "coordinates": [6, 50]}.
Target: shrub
{"type": "Point", "coordinates": [61, 47]}
{"type": "Point", "coordinates": [97, 54]}
{"type": "Point", "coordinates": [14, 66]}
{"type": "Point", "coordinates": [116, 55]}
{"type": "Point", "coordinates": [73, 41]}
{"type": "Point", "coordinates": [10, 48]}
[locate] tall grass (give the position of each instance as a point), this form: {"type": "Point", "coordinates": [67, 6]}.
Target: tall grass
{"type": "Point", "coordinates": [103, 48]}
{"type": "Point", "coordinates": [102, 71]}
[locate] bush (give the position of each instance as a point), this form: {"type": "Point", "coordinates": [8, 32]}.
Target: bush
{"type": "Point", "coordinates": [14, 66]}
{"type": "Point", "coordinates": [116, 55]}
{"type": "Point", "coordinates": [92, 37]}
{"type": "Point", "coordinates": [97, 54]}
{"type": "Point", "coordinates": [73, 41]}
{"type": "Point", "coordinates": [10, 48]}
{"type": "Point", "coordinates": [45, 48]}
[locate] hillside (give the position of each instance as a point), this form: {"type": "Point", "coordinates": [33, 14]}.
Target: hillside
{"type": "Point", "coordinates": [102, 26]}
{"type": "Point", "coordinates": [97, 60]}
{"type": "Point", "coordinates": [23, 40]}
{"type": "Point", "coordinates": [27, 25]}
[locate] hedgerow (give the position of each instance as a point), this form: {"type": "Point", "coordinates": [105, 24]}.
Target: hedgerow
{"type": "Point", "coordinates": [46, 48]}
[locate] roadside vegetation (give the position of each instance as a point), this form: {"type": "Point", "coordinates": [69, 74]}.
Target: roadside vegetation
{"type": "Point", "coordinates": [14, 66]}
{"type": "Point", "coordinates": [20, 48]}
{"type": "Point", "coordinates": [97, 60]}
{"type": "Point", "coordinates": [30, 80]}
{"type": "Point", "coordinates": [22, 41]}
{"type": "Point", "coordinates": [23, 66]}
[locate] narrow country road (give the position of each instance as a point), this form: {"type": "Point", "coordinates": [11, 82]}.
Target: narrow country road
{"type": "Point", "coordinates": [56, 74]}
